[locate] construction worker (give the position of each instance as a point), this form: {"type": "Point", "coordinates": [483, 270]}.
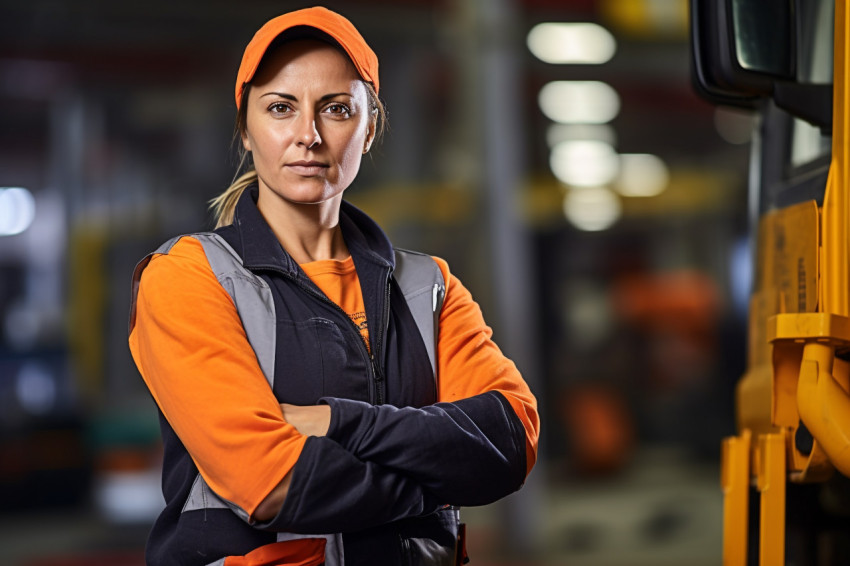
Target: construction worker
{"type": "Point", "coordinates": [324, 398]}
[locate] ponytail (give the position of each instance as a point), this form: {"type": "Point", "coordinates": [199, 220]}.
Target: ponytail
{"type": "Point", "coordinates": [224, 204]}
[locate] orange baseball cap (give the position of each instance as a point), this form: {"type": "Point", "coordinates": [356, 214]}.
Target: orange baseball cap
{"type": "Point", "coordinates": [337, 27]}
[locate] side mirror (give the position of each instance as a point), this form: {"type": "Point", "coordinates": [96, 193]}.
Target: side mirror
{"type": "Point", "coordinates": [761, 40]}
{"type": "Point", "coordinates": [743, 51]}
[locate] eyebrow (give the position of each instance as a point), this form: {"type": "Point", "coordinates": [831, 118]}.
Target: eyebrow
{"type": "Point", "coordinates": [293, 98]}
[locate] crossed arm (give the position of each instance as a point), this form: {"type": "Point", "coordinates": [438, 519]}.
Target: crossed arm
{"type": "Point", "coordinates": [474, 446]}
{"type": "Point", "coordinates": [309, 421]}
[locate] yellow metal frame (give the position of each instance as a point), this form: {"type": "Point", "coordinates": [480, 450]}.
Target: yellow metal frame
{"type": "Point", "coordinates": [794, 375]}
{"type": "Point", "coordinates": [735, 479]}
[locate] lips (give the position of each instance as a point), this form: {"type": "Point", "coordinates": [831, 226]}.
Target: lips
{"type": "Point", "coordinates": [307, 168]}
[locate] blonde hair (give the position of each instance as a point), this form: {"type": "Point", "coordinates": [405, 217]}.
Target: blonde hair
{"type": "Point", "coordinates": [224, 205]}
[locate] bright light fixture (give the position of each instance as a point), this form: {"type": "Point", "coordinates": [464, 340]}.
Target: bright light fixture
{"type": "Point", "coordinates": [36, 389]}
{"type": "Point", "coordinates": [579, 102]}
{"type": "Point", "coordinates": [592, 209]}
{"type": "Point", "coordinates": [641, 175]}
{"type": "Point", "coordinates": [17, 210]}
{"type": "Point", "coordinates": [557, 133]}
{"type": "Point", "coordinates": [584, 163]}
{"type": "Point", "coordinates": [577, 43]}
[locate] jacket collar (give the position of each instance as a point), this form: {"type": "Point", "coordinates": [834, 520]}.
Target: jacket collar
{"type": "Point", "coordinates": [260, 249]}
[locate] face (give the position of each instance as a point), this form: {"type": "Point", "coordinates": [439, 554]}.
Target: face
{"type": "Point", "coordinates": [308, 124]}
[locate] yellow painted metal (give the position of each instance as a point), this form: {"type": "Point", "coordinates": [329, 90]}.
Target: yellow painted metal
{"type": "Point", "coordinates": [826, 328]}
{"type": "Point", "coordinates": [766, 396]}
{"type": "Point", "coordinates": [786, 282]}
{"type": "Point", "coordinates": [822, 391]}
{"type": "Point", "coordinates": [754, 394]}
{"type": "Point", "coordinates": [834, 250]}
{"type": "Point", "coordinates": [824, 403]}
{"type": "Point", "coordinates": [808, 341]}
{"type": "Point", "coordinates": [735, 479]}
{"type": "Point", "coordinates": [787, 260]}
{"type": "Point", "coordinates": [770, 474]}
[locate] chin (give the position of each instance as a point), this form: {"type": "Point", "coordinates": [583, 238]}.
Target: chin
{"type": "Point", "coordinates": [309, 197]}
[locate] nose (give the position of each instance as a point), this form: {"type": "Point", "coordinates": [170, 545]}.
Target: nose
{"type": "Point", "coordinates": [308, 134]}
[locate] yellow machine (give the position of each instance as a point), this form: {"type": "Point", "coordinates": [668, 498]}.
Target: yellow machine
{"type": "Point", "coordinates": [789, 61]}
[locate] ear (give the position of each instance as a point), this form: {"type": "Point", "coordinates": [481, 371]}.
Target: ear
{"type": "Point", "coordinates": [370, 133]}
{"type": "Point", "coordinates": [246, 142]}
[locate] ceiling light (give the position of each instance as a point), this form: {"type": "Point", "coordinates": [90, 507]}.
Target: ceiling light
{"type": "Point", "coordinates": [641, 175]}
{"type": "Point", "coordinates": [578, 43]}
{"type": "Point", "coordinates": [557, 133]}
{"type": "Point", "coordinates": [592, 209]}
{"type": "Point", "coordinates": [584, 163]}
{"type": "Point", "coordinates": [17, 210]}
{"type": "Point", "coordinates": [579, 102]}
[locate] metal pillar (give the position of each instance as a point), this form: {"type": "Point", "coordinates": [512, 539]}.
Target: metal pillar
{"type": "Point", "coordinates": [491, 48]}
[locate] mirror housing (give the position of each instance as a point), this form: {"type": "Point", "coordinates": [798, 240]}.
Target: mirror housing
{"type": "Point", "coordinates": [744, 51]}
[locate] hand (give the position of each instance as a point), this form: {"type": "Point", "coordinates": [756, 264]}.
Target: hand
{"type": "Point", "coordinates": [311, 420]}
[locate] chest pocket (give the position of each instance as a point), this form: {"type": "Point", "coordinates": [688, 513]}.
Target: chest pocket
{"type": "Point", "coordinates": [314, 359]}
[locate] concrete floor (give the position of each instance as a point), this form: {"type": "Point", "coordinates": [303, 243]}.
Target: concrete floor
{"type": "Point", "coordinates": [662, 512]}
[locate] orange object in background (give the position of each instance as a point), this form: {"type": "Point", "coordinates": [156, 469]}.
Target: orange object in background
{"type": "Point", "coordinates": [599, 428]}
{"type": "Point", "coordinates": [684, 300]}
{"type": "Point", "coordinates": [678, 313]}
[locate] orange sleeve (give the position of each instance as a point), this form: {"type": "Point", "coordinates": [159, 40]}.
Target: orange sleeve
{"type": "Point", "coordinates": [193, 354]}
{"type": "Point", "coordinates": [470, 362]}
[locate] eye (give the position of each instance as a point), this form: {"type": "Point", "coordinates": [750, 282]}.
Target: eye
{"type": "Point", "coordinates": [338, 109]}
{"type": "Point", "coordinates": [279, 108]}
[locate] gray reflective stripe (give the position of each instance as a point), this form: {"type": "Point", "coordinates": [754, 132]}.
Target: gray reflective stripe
{"type": "Point", "coordinates": [255, 306]}
{"type": "Point", "coordinates": [219, 562]}
{"type": "Point", "coordinates": [424, 289]}
{"type": "Point", "coordinates": [250, 294]}
{"type": "Point", "coordinates": [334, 554]}
{"type": "Point", "coordinates": [201, 496]}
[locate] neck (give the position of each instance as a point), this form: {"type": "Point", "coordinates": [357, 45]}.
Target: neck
{"type": "Point", "coordinates": [308, 232]}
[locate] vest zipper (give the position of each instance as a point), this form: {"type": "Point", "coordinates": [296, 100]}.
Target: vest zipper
{"type": "Point", "coordinates": [384, 326]}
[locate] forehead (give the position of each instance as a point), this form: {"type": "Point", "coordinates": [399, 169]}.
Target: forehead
{"type": "Point", "coordinates": [305, 60]}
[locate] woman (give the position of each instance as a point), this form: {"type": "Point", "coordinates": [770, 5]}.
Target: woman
{"type": "Point", "coordinates": [307, 415]}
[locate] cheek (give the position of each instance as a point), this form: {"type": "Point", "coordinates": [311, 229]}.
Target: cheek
{"type": "Point", "coordinates": [265, 150]}
{"type": "Point", "coordinates": [351, 157]}
{"type": "Point", "coordinates": [354, 146]}
{"type": "Point", "coordinates": [260, 137]}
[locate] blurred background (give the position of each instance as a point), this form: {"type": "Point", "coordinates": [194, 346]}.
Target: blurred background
{"type": "Point", "coordinates": [553, 151]}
